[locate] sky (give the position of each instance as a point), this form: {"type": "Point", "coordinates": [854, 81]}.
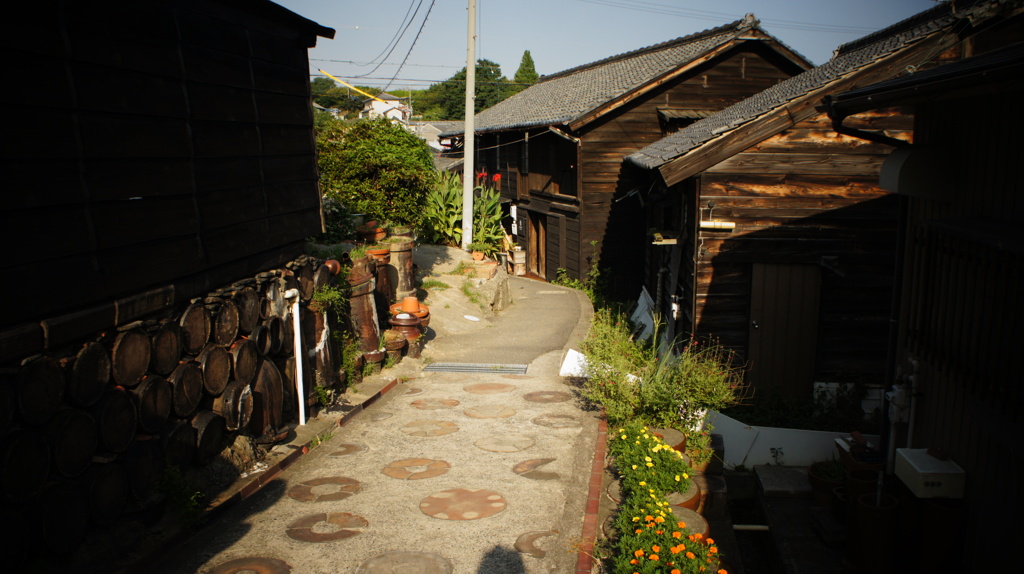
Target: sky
{"type": "Point", "coordinates": [410, 44]}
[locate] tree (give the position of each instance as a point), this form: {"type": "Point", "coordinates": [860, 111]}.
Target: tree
{"type": "Point", "coordinates": [526, 75]}
{"type": "Point", "coordinates": [447, 100]}
{"type": "Point", "coordinates": [329, 95]}
{"type": "Point", "coordinates": [374, 167]}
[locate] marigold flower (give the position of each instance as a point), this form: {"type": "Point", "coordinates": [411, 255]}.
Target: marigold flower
{"type": "Point", "coordinates": [690, 555]}
{"type": "Point", "coordinates": [710, 541]}
{"type": "Point", "coordinates": [638, 531]}
{"type": "Point", "coordinates": [653, 557]}
{"type": "Point", "coordinates": [681, 524]}
{"type": "Point", "coordinates": [677, 534]}
{"type": "Point", "coordinates": [659, 531]}
{"type": "Point", "coordinates": [638, 553]}
{"type": "Point", "coordinates": [656, 548]}
{"type": "Point", "coordinates": [659, 519]}
{"type": "Point", "coordinates": [648, 518]}
{"type": "Point", "coordinates": [713, 550]}
{"type": "Point", "coordinates": [633, 561]}
{"type": "Point", "coordinates": [676, 571]}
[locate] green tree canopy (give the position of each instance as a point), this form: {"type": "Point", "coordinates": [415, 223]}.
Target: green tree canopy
{"type": "Point", "coordinates": [447, 100]}
{"type": "Point", "coordinates": [326, 93]}
{"type": "Point", "coordinates": [526, 75]}
{"type": "Point", "coordinates": [374, 167]}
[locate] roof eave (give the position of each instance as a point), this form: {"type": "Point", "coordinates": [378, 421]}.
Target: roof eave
{"type": "Point", "coordinates": [758, 129]}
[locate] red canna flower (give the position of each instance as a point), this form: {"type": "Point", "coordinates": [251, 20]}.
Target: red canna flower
{"type": "Point", "coordinates": [496, 178]}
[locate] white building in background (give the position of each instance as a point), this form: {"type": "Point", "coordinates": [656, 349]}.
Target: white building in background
{"type": "Point", "coordinates": [386, 106]}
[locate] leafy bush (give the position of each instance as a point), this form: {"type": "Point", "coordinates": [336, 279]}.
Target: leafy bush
{"type": "Point", "coordinates": [633, 382]}
{"type": "Point", "coordinates": [442, 211]}
{"type": "Point", "coordinates": [375, 167]}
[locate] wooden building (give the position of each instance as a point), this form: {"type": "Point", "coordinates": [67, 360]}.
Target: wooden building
{"type": "Point", "coordinates": [962, 276]}
{"type": "Point", "coordinates": [153, 149]}
{"type": "Point", "coordinates": [777, 238]}
{"type": "Point", "coordinates": [559, 144]}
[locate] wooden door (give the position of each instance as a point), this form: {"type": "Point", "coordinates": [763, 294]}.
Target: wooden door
{"type": "Point", "coordinates": [783, 330]}
{"type": "Point", "coordinates": [537, 256]}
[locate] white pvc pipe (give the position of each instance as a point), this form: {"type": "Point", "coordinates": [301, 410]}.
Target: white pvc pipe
{"type": "Point", "coordinates": [297, 327]}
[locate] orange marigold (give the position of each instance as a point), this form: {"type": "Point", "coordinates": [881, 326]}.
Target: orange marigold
{"type": "Point", "coordinates": [656, 548]}
{"type": "Point", "coordinates": [653, 557]}
{"type": "Point", "coordinates": [690, 555]}
{"type": "Point", "coordinates": [677, 534]}
{"type": "Point", "coordinates": [676, 571]}
{"type": "Point", "coordinates": [638, 553]}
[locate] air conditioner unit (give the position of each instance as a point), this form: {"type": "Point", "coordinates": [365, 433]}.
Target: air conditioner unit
{"type": "Point", "coordinates": [927, 476]}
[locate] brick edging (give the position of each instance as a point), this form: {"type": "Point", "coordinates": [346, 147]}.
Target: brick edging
{"type": "Point", "coordinates": [585, 556]}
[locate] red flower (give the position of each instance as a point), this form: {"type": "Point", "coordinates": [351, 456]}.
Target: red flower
{"type": "Point", "coordinates": [496, 178]}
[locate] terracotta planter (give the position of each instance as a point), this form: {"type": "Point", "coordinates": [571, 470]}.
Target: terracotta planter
{"type": "Point", "coordinates": [380, 256]}
{"type": "Point", "coordinates": [478, 255]}
{"type": "Point", "coordinates": [422, 312]}
{"type": "Point", "coordinates": [689, 499]}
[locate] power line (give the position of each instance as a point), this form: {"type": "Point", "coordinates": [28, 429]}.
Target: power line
{"type": "Point", "coordinates": [398, 35]}
{"type": "Point", "coordinates": [407, 54]}
{"type": "Point", "coordinates": [404, 30]}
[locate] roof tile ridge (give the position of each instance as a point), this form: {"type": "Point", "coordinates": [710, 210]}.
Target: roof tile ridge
{"type": "Point", "coordinates": [739, 26]}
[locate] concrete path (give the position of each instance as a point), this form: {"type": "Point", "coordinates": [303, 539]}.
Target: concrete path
{"type": "Point", "coordinates": [447, 472]}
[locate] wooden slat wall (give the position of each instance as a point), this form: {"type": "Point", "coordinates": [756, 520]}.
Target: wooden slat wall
{"type": "Point", "coordinates": [798, 197]}
{"type": "Point", "coordinates": [148, 141]}
{"type": "Point", "coordinates": [713, 87]}
{"type": "Point", "coordinates": [962, 312]}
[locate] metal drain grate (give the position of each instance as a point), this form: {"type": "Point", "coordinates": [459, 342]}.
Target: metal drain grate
{"type": "Point", "coordinates": [476, 368]}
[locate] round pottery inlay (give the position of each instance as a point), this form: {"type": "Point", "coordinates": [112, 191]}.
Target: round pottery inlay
{"type": "Point", "coordinates": [489, 388]}
{"type": "Point", "coordinates": [414, 391]}
{"type": "Point", "coordinates": [525, 542]}
{"type": "Point", "coordinates": [463, 504]}
{"type": "Point", "coordinates": [381, 416]}
{"type": "Point", "coordinates": [406, 563]}
{"type": "Point", "coordinates": [435, 404]}
{"type": "Point", "coordinates": [325, 489]}
{"type": "Point", "coordinates": [528, 469]}
{"type": "Point", "coordinates": [429, 428]}
{"type": "Point", "coordinates": [416, 468]}
{"type": "Point", "coordinates": [326, 527]}
{"type": "Point", "coordinates": [253, 565]}
{"type": "Point", "coordinates": [547, 396]}
{"type": "Point", "coordinates": [557, 421]}
{"type": "Point", "coordinates": [505, 443]}
{"type": "Point", "coordinates": [347, 448]}
{"type": "Point", "coordinates": [490, 412]}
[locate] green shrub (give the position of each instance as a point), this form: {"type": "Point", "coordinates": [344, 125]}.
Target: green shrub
{"type": "Point", "coordinates": [376, 168]}
{"type": "Point", "coordinates": [442, 211]}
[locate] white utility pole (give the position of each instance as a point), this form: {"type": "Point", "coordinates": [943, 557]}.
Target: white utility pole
{"type": "Point", "coordinates": [468, 167]}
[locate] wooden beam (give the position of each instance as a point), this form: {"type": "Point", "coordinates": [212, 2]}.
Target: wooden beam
{"type": "Point", "coordinates": [759, 129]}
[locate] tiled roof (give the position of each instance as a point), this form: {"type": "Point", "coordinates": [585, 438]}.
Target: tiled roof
{"type": "Point", "coordinates": [568, 95]}
{"type": "Point", "coordinates": [849, 58]}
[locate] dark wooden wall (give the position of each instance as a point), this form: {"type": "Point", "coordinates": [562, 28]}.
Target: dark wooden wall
{"type": "Point", "coordinates": [715, 85]}
{"type": "Point", "coordinates": [152, 141]}
{"type": "Point", "coordinates": [962, 312]}
{"type": "Point", "coordinates": [806, 197]}
{"type": "Point", "coordinates": [584, 209]}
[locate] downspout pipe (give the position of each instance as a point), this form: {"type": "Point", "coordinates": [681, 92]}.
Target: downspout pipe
{"type": "Point", "coordinates": [837, 118]}
{"type": "Point", "coordinates": [293, 294]}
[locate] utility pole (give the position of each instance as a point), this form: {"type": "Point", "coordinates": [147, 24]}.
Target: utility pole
{"type": "Point", "coordinates": [468, 167]}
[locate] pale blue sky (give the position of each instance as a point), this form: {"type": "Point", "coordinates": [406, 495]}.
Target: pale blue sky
{"type": "Point", "coordinates": [560, 34]}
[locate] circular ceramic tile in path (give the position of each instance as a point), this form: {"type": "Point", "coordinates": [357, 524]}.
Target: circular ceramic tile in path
{"type": "Point", "coordinates": [326, 527]}
{"type": "Point", "coordinates": [414, 391]}
{"type": "Point", "coordinates": [416, 468]}
{"type": "Point", "coordinates": [406, 563]}
{"type": "Point", "coordinates": [557, 421]}
{"type": "Point", "coordinates": [429, 428]}
{"type": "Point", "coordinates": [463, 504]}
{"type": "Point", "coordinates": [505, 443]}
{"type": "Point", "coordinates": [325, 489]}
{"type": "Point", "coordinates": [490, 412]}
{"type": "Point", "coordinates": [435, 404]}
{"type": "Point", "coordinates": [528, 469]}
{"type": "Point", "coordinates": [488, 388]}
{"type": "Point", "coordinates": [547, 396]}
{"type": "Point", "coordinates": [253, 565]}
{"type": "Point", "coordinates": [381, 416]}
{"type": "Point", "coordinates": [349, 448]}
{"type": "Point", "coordinates": [526, 543]}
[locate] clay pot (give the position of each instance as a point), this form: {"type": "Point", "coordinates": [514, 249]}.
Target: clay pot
{"type": "Point", "coordinates": [422, 313]}
{"type": "Point", "coordinates": [333, 265]}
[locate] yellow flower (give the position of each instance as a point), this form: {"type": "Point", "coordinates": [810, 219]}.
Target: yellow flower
{"type": "Point", "coordinates": [650, 464]}
{"type": "Point", "coordinates": [642, 483]}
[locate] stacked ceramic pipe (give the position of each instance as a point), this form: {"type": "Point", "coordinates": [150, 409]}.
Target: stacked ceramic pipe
{"type": "Point", "coordinates": [91, 431]}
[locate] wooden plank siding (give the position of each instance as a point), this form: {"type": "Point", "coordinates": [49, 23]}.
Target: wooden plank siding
{"type": "Point", "coordinates": [712, 86]}
{"type": "Point", "coordinates": [806, 196]}
{"type": "Point", "coordinates": [178, 133]}
{"type": "Point", "coordinates": [962, 311]}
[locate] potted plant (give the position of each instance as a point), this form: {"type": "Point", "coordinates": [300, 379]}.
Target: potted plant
{"type": "Point", "coordinates": [824, 476]}
{"type": "Point", "coordinates": [479, 250]}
